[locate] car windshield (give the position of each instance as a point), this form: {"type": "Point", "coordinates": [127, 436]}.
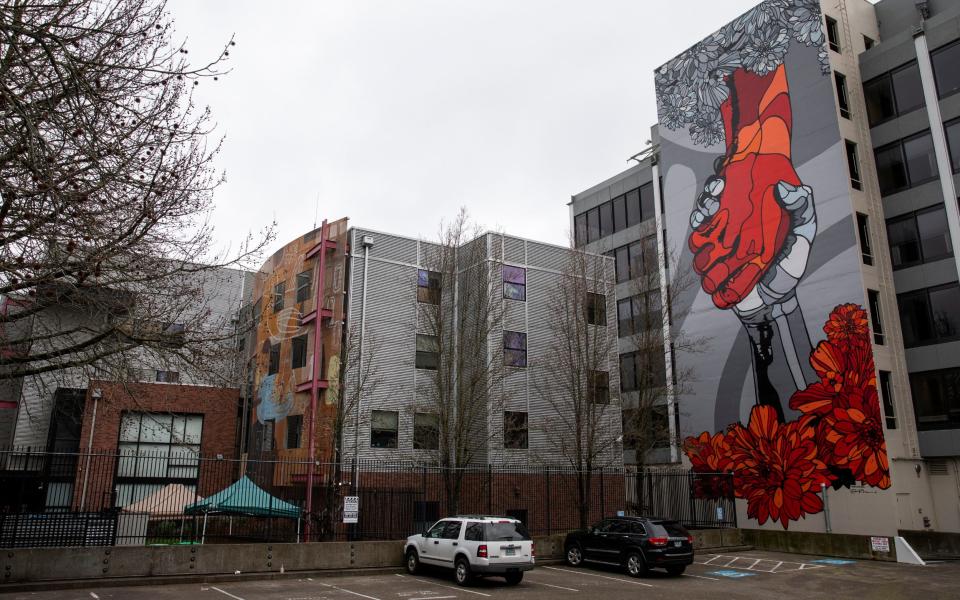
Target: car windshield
{"type": "Point", "coordinates": [512, 532]}
{"type": "Point", "coordinates": [669, 529]}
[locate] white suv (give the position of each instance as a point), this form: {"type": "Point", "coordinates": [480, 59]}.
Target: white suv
{"type": "Point", "coordinates": [474, 545]}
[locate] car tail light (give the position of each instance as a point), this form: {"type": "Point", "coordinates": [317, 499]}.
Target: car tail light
{"type": "Point", "coordinates": [533, 549]}
{"type": "Point", "coordinates": [482, 551]}
{"type": "Point", "coordinates": [658, 541]}
{"type": "Point", "coordinates": [690, 538]}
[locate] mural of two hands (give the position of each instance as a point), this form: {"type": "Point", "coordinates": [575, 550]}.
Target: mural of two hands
{"type": "Point", "coordinates": [752, 229]}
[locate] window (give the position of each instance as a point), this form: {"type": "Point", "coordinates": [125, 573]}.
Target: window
{"type": "Point", "coordinates": [833, 34]}
{"type": "Point", "coordinates": [621, 264]}
{"type": "Point", "coordinates": [428, 287]}
{"type": "Point", "coordinates": [278, 291]}
{"type": "Point", "coordinates": [936, 398]}
{"type": "Point", "coordinates": [593, 225]}
{"type": "Point", "coordinates": [945, 61]}
{"type": "Point", "coordinates": [596, 309]}
{"type": "Point", "coordinates": [514, 349]}
{"type": "Point", "coordinates": [853, 165]}
{"type": "Point", "coordinates": [906, 163]}
{"type": "Point", "coordinates": [873, 297]}
{"type": "Point", "coordinates": [895, 93]}
{"type": "Point", "coordinates": [383, 428]}
{"type": "Point", "coordinates": [634, 260]}
{"type": "Point", "coordinates": [428, 351]}
{"type": "Point", "coordinates": [633, 207]}
{"type": "Point", "coordinates": [920, 157]}
{"type": "Point", "coordinates": [294, 430]}
{"type": "Point", "coordinates": [606, 219]}
{"type": "Point", "coordinates": [886, 397]}
{"type": "Point", "coordinates": [266, 440]}
{"type": "Point", "coordinates": [514, 283]}
{"type": "Point", "coordinates": [298, 347]}
{"type": "Point", "coordinates": [863, 231]}
{"type": "Point", "coordinates": [647, 428]}
{"type": "Point", "coordinates": [515, 432]}
{"type": "Point", "coordinates": [156, 449]}
{"type": "Point", "coordinates": [930, 316]}
{"type": "Point", "coordinates": [952, 131]}
{"type": "Point", "coordinates": [580, 229]}
{"type": "Point", "coordinates": [452, 530]}
{"type": "Point", "coordinates": [619, 213]}
{"type": "Point", "coordinates": [636, 374]}
{"type": "Point", "coordinates": [868, 42]}
{"type": "Point", "coordinates": [639, 313]}
{"type": "Point", "coordinates": [274, 359]}
{"type": "Point", "coordinates": [426, 431]}
{"type": "Point", "coordinates": [303, 285]}
{"type": "Point", "coordinates": [919, 237]}
{"type": "Point", "coordinates": [167, 376]}
{"type": "Point", "coordinates": [598, 387]}
{"type": "Point", "coordinates": [843, 99]}
{"type": "Point", "coordinates": [256, 312]}
{"type": "Point", "coordinates": [647, 201]}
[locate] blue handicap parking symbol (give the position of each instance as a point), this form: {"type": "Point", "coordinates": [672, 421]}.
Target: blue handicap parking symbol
{"type": "Point", "coordinates": [833, 561]}
{"type": "Point", "coordinates": [732, 574]}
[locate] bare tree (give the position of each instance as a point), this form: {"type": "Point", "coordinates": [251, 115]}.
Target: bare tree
{"type": "Point", "coordinates": [652, 383]}
{"type": "Point", "coordinates": [359, 378]}
{"type": "Point", "coordinates": [574, 378]}
{"type": "Point", "coordinates": [458, 327]}
{"type": "Point", "coordinates": [107, 258]}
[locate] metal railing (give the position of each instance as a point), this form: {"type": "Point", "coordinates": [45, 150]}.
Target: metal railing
{"type": "Point", "coordinates": [174, 497]}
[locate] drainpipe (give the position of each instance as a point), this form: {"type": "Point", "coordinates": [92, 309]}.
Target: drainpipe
{"type": "Point", "coordinates": [944, 169]}
{"type": "Point", "coordinates": [367, 243]}
{"type": "Point", "coordinates": [95, 394]}
{"type": "Point", "coordinates": [826, 507]}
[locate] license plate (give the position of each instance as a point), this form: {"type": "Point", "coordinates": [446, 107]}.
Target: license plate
{"type": "Point", "coordinates": [509, 552]}
{"type": "Point", "coordinates": [677, 544]}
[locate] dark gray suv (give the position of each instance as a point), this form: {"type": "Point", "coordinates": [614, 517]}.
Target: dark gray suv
{"type": "Point", "coordinates": [636, 543]}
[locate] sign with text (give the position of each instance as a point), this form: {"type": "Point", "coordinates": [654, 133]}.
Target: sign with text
{"type": "Point", "coordinates": [880, 544]}
{"type": "Point", "coordinates": [351, 509]}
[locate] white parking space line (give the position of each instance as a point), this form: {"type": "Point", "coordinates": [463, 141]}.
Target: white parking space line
{"type": "Point", "coordinates": [759, 565]}
{"type": "Point", "coordinates": [449, 587]}
{"type": "Point", "coordinates": [225, 593]}
{"type": "Point", "coordinates": [433, 598]}
{"type": "Point", "coordinates": [600, 576]}
{"type": "Point", "coordinates": [339, 589]}
{"type": "Point", "coordinates": [701, 577]}
{"type": "Point", "coordinates": [550, 585]}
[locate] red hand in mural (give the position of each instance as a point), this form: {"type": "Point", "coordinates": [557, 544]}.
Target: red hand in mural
{"type": "Point", "coordinates": [740, 224]}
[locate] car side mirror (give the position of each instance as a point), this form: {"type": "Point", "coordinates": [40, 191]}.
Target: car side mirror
{"type": "Point", "coordinates": [589, 528]}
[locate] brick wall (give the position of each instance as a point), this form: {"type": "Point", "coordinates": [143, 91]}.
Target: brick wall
{"type": "Point", "coordinates": [217, 405]}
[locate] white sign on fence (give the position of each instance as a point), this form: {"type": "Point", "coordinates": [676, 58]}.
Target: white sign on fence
{"type": "Point", "coordinates": [351, 509]}
{"type": "Point", "coordinates": [880, 544]}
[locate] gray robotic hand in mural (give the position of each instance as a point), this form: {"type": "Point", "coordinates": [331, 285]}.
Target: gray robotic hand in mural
{"type": "Point", "coordinates": [769, 310]}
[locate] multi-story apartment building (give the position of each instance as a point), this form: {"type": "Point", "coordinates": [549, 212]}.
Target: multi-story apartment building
{"type": "Point", "coordinates": [806, 159]}
{"type": "Point", "coordinates": [150, 400]}
{"type": "Point", "coordinates": [391, 304]}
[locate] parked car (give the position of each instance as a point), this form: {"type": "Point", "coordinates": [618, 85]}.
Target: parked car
{"type": "Point", "coordinates": [635, 543]}
{"type": "Point", "coordinates": [473, 545]}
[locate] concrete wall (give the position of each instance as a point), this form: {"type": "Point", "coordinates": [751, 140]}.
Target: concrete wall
{"type": "Point", "coordinates": [821, 544]}
{"type": "Point", "coordinates": [62, 564]}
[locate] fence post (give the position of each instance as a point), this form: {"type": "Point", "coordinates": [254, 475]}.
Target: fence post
{"type": "Point", "coordinates": [547, 471]}
{"type": "Point", "coordinates": [489, 489]}
{"type": "Point", "coordinates": [691, 483]}
{"type": "Point", "coordinates": [603, 503]}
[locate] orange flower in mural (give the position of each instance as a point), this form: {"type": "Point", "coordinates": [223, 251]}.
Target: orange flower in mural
{"type": "Point", "coordinates": [848, 323]}
{"type": "Point", "coordinates": [853, 436]}
{"type": "Point", "coordinates": [709, 455]}
{"type": "Point", "coordinates": [776, 467]}
{"type": "Point", "coordinates": [844, 370]}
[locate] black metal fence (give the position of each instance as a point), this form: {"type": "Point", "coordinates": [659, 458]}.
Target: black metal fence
{"type": "Point", "coordinates": [175, 497]}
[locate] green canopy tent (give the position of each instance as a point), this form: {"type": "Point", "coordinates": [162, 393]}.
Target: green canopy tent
{"type": "Point", "coordinates": [244, 497]}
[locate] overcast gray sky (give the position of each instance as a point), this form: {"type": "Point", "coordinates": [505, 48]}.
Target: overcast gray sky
{"type": "Point", "coordinates": [396, 113]}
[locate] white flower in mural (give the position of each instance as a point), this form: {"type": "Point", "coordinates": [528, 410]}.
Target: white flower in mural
{"type": "Point", "coordinates": [757, 41]}
{"type": "Point", "coordinates": [707, 127]}
{"type": "Point", "coordinates": [765, 50]}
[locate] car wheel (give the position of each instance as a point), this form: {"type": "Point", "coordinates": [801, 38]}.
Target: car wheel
{"type": "Point", "coordinates": [513, 578]}
{"type": "Point", "coordinates": [574, 555]}
{"type": "Point", "coordinates": [413, 562]}
{"type": "Point", "coordinates": [636, 567]}
{"type": "Point", "coordinates": [676, 570]}
{"type": "Point", "coordinates": [461, 572]}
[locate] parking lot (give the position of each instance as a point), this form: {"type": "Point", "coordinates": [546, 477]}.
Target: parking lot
{"type": "Point", "coordinates": [750, 574]}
